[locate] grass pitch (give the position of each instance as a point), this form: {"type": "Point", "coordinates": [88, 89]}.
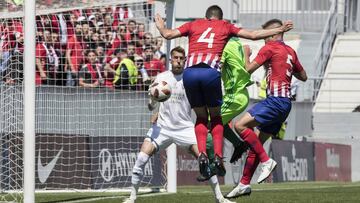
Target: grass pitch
{"type": "Point", "coordinates": [305, 192]}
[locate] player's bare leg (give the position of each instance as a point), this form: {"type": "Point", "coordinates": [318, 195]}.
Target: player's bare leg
{"type": "Point", "coordinates": [146, 151]}
{"type": "Point", "coordinates": [217, 131]}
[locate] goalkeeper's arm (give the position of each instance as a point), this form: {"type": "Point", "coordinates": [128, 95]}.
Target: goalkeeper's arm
{"type": "Point", "coordinates": [152, 104]}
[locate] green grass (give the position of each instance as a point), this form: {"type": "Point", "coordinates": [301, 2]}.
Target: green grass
{"type": "Point", "coordinates": [281, 192]}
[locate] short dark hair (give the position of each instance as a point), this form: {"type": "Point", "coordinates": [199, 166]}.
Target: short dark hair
{"type": "Point", "coordinates": [131, 21]}
{"type": "Point", "coordinates": [90, 51]}
{"type": "Point", "coordinates": [271, 22]}
{"type": "Point", "coordinates": [177, 49]}
{"type": "Point", "coordinates": [214, 11]}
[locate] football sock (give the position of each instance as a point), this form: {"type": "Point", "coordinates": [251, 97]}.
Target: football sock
{"type": "Point", "coordinates": [231, 136]}
{"type": "Point", "coordinates": [201, 131]}
{"type": "Point", "coordinates": [138, 173]}
{"type": "Point", "coordinates": [215, 186]}
{"type": "Point", "coordinates": [217, 130]}
{"type": "Point", "coordinates": [210, 152]}
{"type": "Point", "coordinates": [250, 166]}
{"type": "Point", "coordinates": [250, 137]}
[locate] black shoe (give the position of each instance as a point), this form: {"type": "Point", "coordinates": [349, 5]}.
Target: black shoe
{"type": "Point", "coordinates": [204, 165]}
{"type": "Point", "coordinates": [219, 166]}
{"type": "Point", "coordinates": [202, 178]}
{"type": "Point", "coordinates": [238, 151]}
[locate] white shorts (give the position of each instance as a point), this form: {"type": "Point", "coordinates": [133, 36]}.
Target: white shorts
{"type": "Point", "coordinates": [162, 138]}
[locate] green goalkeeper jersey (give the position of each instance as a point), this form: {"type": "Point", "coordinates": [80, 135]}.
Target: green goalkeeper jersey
{"type": "Point", "coordinates": [233, 72]}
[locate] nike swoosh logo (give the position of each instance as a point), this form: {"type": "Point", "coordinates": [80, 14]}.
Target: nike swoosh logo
{"type": "Point", "coordinates": [44, 171]}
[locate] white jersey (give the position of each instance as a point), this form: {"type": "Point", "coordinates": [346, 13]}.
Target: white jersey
{"type": "Point", "coordinates": [174, 113]}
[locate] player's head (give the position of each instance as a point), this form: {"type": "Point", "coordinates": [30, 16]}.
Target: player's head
{"type": "Point", "coordinates": [214, 12]}
{"type": "Point", "coordinates": [273, 23]}
{"type": "Point", "coordinates": [177, 60]}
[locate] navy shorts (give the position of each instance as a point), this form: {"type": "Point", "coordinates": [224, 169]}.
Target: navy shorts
{"type": "Point", "coordinates": [271, 113]}
{"type": "Point", "coordinates": [203, 86]}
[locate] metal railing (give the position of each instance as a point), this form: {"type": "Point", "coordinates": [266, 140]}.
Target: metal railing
{"type": "Point", "coordinates": [326, 43]}
{"type": "Point", "coordinates": [307, 15]}
{"type": "Point", "coordinates": [337, 94]}
{"type": "Point", "coordinates": [352, 16]}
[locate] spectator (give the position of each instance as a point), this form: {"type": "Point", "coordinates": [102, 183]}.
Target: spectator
{"type": "Point", "coordinates": [144, 79]}
{"type": "Point", "coordinates": [163, 59]}
{"type": "Point", "coordinates": [131, 30]}
{"type": "Point", "coordinates": [148, 39]}
{"type": "Point", "coordinates": [152, 65]}
{"type": "Point", "coordinates": [99, 50]}
{"type": "Point", "coordinates": [108, 23]}
{"type": "Point", "coordinates": [141, 30]}
{"type": "Point", "coordinates": [159, 47]}
{"type": "Point", "coordinates": [130, 51]}
{"type": "Point", "coordinates": [94, 41]}
{"type": "Point", "coordinates": [126, 75]}
{"type": "Point", "coordinates": [118, 42]}
{"type": "Point", "coordinates": [74, 55]}
{"type": "Point", "coordinates": [90, 73]}
{"type": "Point", "coordinates": [47, 61]}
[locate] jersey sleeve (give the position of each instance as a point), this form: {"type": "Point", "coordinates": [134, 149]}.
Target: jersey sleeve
{"type": "Point", "coordinates": [234, 30]}
{"type": "Point", "coordinates": [263, 55]}
{"type": "Point", "coordinates": [185, 29]}
{"type": "Point", "coordinates": [297, 67]}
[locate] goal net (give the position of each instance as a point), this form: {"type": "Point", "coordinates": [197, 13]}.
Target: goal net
{"type": "Point", "coordinates": [94, 62]}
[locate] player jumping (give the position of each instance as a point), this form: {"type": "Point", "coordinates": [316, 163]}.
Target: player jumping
{"type": "Point", "coordinates": [173, 125]}
{"type": "Point", "coordinates": [267, 115]}
{"type": "Point", "coordinates": [202, 79]}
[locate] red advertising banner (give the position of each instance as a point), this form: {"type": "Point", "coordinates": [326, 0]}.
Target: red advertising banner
{"type": "Point", "coordinates": [332, 162]}
{"type": "Point", "coordinates": [188, 169]}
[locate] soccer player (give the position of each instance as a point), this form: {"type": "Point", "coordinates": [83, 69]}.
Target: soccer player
{"type": "Point", "coordinates": [202, 80]}
{"type": "Point", "coordinates": [236, 97]}
{"type": "Point", "coordinates": [173, 125]}
{"type": "Point", "coordinates": [267, 115]}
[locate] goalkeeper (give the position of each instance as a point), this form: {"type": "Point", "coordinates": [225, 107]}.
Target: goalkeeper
{"type": "Point", "coordinates": [236, 97]}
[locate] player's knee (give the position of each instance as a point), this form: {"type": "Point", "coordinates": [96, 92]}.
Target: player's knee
{"type": "Point", "coordinates": [239, 127]}
{"type": "Point", "coordinates": [149, 147]}
{"type": "Point", "coordinates": [138, 171]}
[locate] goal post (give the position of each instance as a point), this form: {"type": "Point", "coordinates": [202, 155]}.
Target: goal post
{"type": "Point", "coordinates": [59, 136]}
{"type": "Point", "coordinates": [29, 101]}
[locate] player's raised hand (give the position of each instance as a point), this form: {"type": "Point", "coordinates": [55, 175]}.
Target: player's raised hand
{"type": "Point", "coordinates": [159, 21]}
{"type": "Point", "coordinates": [247, 50]}
{"type": "Point", "coordinates": [287, 25]}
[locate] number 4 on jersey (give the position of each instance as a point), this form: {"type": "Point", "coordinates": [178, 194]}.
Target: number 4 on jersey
{"type": "Point", "coordinates": [209, 40]}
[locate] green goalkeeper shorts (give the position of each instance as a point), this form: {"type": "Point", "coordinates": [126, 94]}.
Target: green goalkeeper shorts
{"type": "Point", "coordinates": [234, 104]}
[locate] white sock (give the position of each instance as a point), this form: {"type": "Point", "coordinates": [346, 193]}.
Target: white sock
{"type": "Point", "coordinates": [215, 187]}
{"type": "Point", "coordinates": [138, 173]}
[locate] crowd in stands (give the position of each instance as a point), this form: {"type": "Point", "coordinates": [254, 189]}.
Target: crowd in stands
{"type": "Point", "coordinates": [101, 47]}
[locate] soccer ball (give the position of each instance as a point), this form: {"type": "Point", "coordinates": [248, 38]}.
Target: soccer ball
{"type": "Point", "coordinates": [160, 91]}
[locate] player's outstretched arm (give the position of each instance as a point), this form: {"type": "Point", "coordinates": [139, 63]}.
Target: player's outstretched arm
{"type": "Point", "coordinates": [261, 34]}
{"type": "Point", "coordinates": [165, 32]}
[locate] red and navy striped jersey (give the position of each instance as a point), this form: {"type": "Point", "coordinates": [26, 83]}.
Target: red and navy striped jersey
{"type": "Point", "coordinates": [281, 62]}
{"type": "Point", "coordinates": [207, 39]}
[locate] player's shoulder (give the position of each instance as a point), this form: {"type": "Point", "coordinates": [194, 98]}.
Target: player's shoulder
{"type": "Point", "coordinates": [164, 75]}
